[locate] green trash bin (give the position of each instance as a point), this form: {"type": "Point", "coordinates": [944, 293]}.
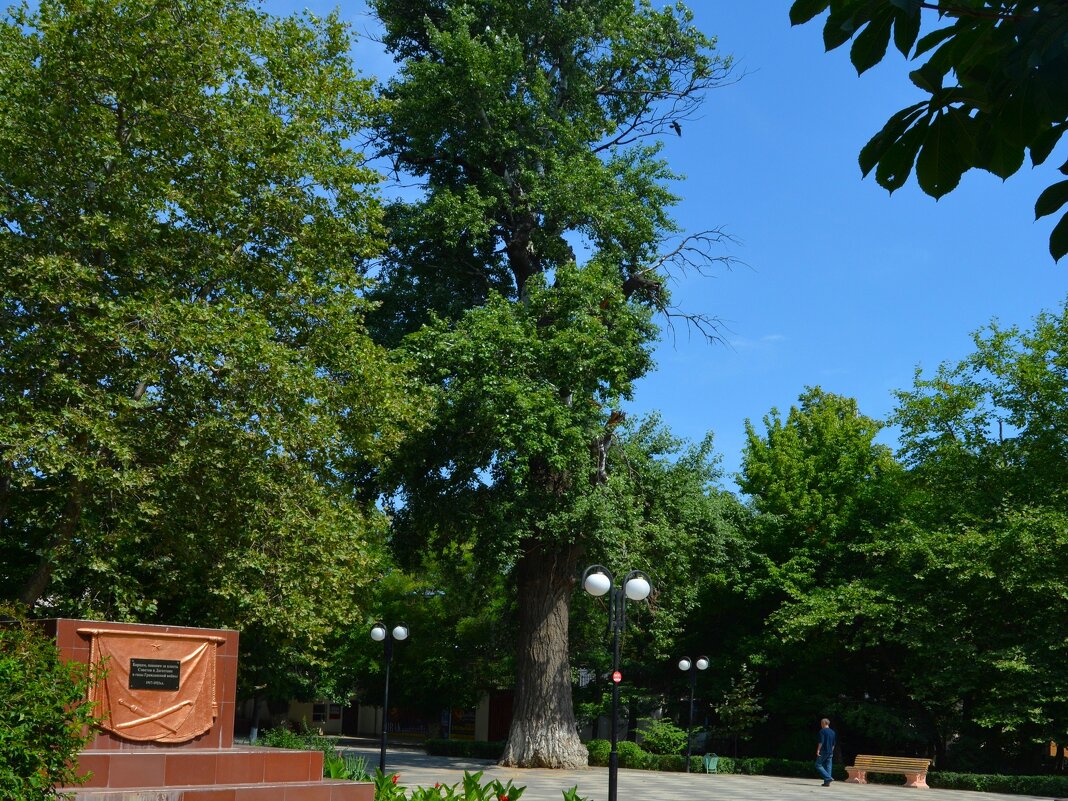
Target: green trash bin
{"type": "Point", "coordinates": [711, 763]}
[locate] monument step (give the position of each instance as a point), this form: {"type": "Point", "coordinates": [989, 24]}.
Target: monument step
{"type": "Point", "coordinates": [324, 790]}
{"type": "Point", "coordinates": [165, 768]}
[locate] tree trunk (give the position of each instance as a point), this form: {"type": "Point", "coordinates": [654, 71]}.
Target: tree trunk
{"type": "Point", "coordinates": [34, 587]}
{"type": "Point", "coordinates": [544, 733]}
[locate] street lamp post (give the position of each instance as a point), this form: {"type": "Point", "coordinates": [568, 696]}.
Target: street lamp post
{"type": "Point", "coordinates": [686, 666]}
{"type": "Point", "coordinates": [598, 581]}
{"type": "Point", "coordinates": [379, 633]}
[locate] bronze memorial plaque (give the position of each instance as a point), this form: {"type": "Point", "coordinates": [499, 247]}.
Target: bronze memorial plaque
{"type": "Point", "coordinates": [155, 687]}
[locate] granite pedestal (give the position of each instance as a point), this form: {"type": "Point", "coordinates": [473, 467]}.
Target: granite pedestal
{"type": "Point", "coordinates": [169, 695]}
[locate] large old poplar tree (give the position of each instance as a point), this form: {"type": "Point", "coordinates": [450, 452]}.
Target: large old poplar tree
{"type": "Point", "coordinates": [525, 280]}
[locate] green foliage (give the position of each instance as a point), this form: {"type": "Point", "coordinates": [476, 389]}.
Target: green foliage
{"type": "Point", "coordinates": [661, 736]}
{"type": "Point", "coordinates": [478, 749]}
{"type": "Point", "coordinates": [463, 630]}
{"type": "Point", "coordinates": [632, 755]}
{"type": "Point", "coordinates": [44, 718]}
{"type": "Point", "coordinates": [598, 751]}
{"type": "Point", "coordinates": [303, 739]}
{"type": "Point", "coordinates": [346, 766]}
{"type": "Point", "coordinates": [526, 127]}
{"type": "Point", "coordinates": [770, 766]}
{"type": "Point", "coordinates": [191, 413]}
{"type": "Point", "coordinates": [815, 476]}
{"type": "Point", "coordinates": [997, 76]}
{"type": "Point", "coordinates": [387, 787]}
{"type": "Point", "coordinates": [972, 522]}
{"type": "Point", "coordinates": [470, 788]}
{"type": "Point", "coordinates": [1049, 786]}
{"type": "Point", "coordinates": [675, 763]}
{"type": "Point", "coordinates": [740, 710]}
{"type": "Point", "coordinates": [726, 765]}
{"type": "Point", "coordinates": [572, 794]}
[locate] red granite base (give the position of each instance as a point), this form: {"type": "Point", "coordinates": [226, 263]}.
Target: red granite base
{"type": "Point", "coordinates": [324, 790]}
{"type": "Point", "coordinates": [247, 773]}
{"type": "Point", "coordinates": [228, 774]}
{"type": "Point", "coordinates": [150, 767]}
{"type": "Point", "coordinates": [204, 768]}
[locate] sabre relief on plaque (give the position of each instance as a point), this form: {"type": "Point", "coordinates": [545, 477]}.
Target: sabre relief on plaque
{"type": "Point", "coordinates": [155, 687]}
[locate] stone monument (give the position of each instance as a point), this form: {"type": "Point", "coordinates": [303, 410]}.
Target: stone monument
{"type": "Point", "coordinates": [167, 699]}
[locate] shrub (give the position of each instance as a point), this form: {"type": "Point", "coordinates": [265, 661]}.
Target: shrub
{"type": "Point", "coordinates": [636, 757]}
{"type": "Point", "coordinates": [303, 740]}
{"type": "Point", "coordinates": [45, 717]}
{"type": "Point", "coordinates": [631, 755]}
{"type": "Point", "coordinates": [992, 783]}
{"type": "Point", "coordinates": [346, 766]}
{"type": "Point", "coordinates": [672, 762]}
{"type": "Point", "coordinates": [599, 751]}
{"type": "Point", "coordinates": [663, 737]}
{"type": "Point", "coordinates": [282, 737]}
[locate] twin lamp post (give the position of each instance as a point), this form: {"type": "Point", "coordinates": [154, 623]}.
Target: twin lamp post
{"type": "Point", "coordinates": [598, 581]}
{"type": "Point", "coordinates": [686, 666]}
{"type": "Point", "coordinates": [379, 633]}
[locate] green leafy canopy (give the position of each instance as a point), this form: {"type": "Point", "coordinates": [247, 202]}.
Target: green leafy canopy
{"type": "Point", "coordinates": [997, 76]}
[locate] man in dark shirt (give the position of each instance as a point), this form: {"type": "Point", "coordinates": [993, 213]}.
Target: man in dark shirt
{"type": "Point", "coordinates": [825, 751]}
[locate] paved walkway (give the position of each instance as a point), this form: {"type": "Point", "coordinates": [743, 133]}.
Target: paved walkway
{"type": "Point", "coordinates": [418, 769]}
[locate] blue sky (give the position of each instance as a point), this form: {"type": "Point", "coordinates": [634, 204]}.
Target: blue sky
{"type": "Point", "coordinates": [845, 286]}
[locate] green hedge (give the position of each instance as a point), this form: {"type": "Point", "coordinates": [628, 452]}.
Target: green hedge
{"type": "Point", "coordinates": [632, 756]}
{"type": "Point", "coordinates": [473, 749]}
{"type": "Point", "coordinates": [994, 783]}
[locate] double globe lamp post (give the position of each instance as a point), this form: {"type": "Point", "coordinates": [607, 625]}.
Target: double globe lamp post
{"type": "Point", "coordinates": [691, 667]}
{"type": "Point", "coordinates": [379, 633]}
{"type": "Point", "coordinates": [598, 581]}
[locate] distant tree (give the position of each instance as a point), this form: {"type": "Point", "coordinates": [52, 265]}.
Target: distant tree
{"type": "Point", "coordinates": [986, 441]}
{"type": "Point", "coordinates": [992, 427]}
{"type": "Point", "coordinates": [739, 711]}
{"type": "Point", "coordinates": [665, 513]}
{"type": "Point", "coordinates": [816, 478]}
{"type": "Point", "coordinates": [997, 76]}
{"type": "Point", "coordinates": [821, 487]}
{"type": "Point", "coordinates": [528, 128]}
{"type": "Point", "coordinates": [191, 414]}
{"type": "Point", "coordinates": [929, 613]}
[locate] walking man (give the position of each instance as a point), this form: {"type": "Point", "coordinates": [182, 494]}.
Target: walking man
{"type": "Point", "coordinates": [825, 751]}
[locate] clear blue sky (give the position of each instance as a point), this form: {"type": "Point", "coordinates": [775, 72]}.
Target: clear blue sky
{"type": "Point", "coordinates": [845, 287]}
{"type": "Point", "coordinates": [848, 288]}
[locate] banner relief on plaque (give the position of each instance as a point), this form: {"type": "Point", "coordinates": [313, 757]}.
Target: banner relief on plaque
{"type": "Point", "coordinates": [155, 687]}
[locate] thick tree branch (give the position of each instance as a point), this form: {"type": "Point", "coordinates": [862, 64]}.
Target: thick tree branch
{"type": "Point", "coordinates": [34, 588]}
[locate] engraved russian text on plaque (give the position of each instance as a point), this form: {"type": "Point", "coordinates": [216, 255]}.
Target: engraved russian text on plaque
{"type": "Point", "coordinates": [154, 674]}
{"type": "Point", "coordinates": [169, 698]}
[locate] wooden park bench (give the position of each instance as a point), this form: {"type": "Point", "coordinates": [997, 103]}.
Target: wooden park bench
{"type": "Point", "coordinates": [915, 770]}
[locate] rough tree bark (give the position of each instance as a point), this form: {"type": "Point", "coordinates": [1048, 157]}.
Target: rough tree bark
{"type": "Point", "coordinates": [544, 733]}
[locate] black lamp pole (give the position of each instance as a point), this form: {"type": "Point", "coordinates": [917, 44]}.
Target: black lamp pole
{"type": "Point", "coordinates": [597, 581]}
{"type": "Point", "coordinates": [701, 663]}
{"type": "Point", "coordinates": [380, 633]}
